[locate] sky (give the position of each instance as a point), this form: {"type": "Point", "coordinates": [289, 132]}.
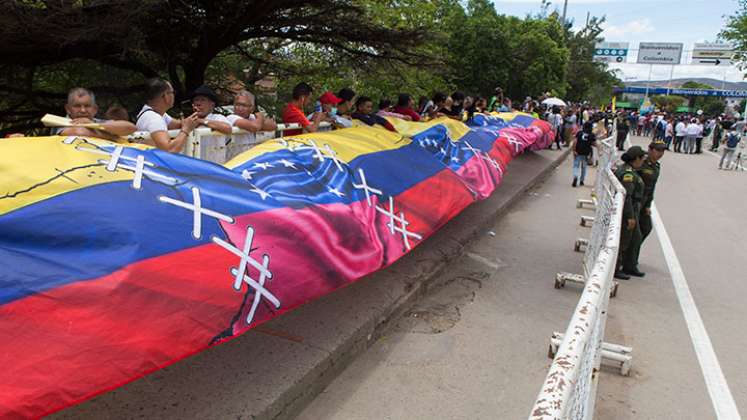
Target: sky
{"type": "Point", "coordinates": [634, 21]}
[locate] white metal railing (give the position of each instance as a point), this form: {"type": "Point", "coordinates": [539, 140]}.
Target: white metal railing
{"type": "Point", "coordinates": [606, 157]}
{"type": "Point", "coordinates": [203, 143]}
{"type": "Point", "coordinates": [569, 390]}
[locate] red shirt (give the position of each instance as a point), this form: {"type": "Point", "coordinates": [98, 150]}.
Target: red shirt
{"type": "Point", "coordinates": [407, 111]}
{"type": "Point", "coordinates": [291, 114]}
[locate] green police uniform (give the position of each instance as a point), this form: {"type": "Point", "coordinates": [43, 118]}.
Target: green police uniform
{"type": "Point", "coordinates": [649, 173]}
{"type": "Point", "coordinates": [630, 239]}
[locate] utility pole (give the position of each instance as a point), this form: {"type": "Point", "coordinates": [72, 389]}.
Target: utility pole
{"type": "Point", "coordinates": [648, 82]}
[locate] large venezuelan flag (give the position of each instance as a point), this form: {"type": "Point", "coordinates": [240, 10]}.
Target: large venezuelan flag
{"type": "Point", "coordinates": [116, 261]}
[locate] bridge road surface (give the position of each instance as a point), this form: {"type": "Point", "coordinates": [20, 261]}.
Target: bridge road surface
{"type": "Point", "coordinates": [477, 348]}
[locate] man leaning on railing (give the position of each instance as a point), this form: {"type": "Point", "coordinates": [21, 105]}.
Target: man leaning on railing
{"type": "Point", "coordinates": [294, 114]}
{"type": "Point", "coordinates": [82, 109]}
{"type": "Point", "coordinates": [204, 101]}
{"type": "Point", "coordinates": [159, 97]}
{"type": "Point", "coordinates": [245, 118]}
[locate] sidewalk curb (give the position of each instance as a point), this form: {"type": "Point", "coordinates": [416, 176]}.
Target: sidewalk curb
{"type": "Point", "coordinates": [296, 397]}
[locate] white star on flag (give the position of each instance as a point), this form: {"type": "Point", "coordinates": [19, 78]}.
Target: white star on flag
{"type": "Point", "coordinates": [262, 165]}
{"type": "Point", "coordinates": [247, 175]}
{"type": "Point", "coordinates": [288, 164]}
{"type": "Point", "coordinates": [262, 193]}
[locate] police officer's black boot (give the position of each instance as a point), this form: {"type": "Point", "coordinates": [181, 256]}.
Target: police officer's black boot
{"type": "Point", "coordinates": [634, 272]}
{"type": "Point", "coordinates": [620, 275]}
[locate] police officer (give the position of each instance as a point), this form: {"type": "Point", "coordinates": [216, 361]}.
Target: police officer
{"type": "Point", "coordinates": [649, 172]}
{"type": "Point", "coordinates": [630, 237]}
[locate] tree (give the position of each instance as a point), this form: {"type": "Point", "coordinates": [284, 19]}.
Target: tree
{"type": "Point", "coordinates": [485, 50]}
{"type": "Point", "coordinates": [708, 104]}
{"type": "Point", "coordinates": [378, 47]}
{"type": "Point", "coordinates": [588, 80]}
{"type": "Point", "coordinates": [735, 32]}
{"type": "Point", "coordinates": [668, 103]}
{"type": "Point", "coordinates": [177, 39]}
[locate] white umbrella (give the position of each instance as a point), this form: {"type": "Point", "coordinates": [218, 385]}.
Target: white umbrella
{"type": "Point", "coordinates": [554, 102]}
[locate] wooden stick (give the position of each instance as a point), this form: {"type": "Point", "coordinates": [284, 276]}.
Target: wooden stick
{"type": "Point", "coordinates": [50, 120]}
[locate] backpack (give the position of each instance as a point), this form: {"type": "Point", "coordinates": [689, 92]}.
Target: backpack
{"type": "Point", "coordinates": [732, 140]}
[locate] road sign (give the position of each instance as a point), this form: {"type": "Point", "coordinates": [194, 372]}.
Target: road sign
{"type": "Point", "coordinates": [660, 53]}
{"type": "Point", "coordinates": [713, 54]}
{"type": "Point", "coordinates": [611, 52]}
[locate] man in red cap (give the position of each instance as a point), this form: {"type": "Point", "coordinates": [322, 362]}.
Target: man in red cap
{"type": "Point", "coordinates": [329, 101]}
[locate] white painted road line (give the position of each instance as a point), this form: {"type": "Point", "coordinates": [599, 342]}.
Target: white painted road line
{"type": "Point", "coordinates": [718, 389]}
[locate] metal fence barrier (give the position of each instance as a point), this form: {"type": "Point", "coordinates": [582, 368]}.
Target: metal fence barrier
{"type": "Point", "coordinates": [203, 143]}
{"type": "Point", "coordinates": [602, 194]}
{"type": "Point", "coordinates": [569, 390]}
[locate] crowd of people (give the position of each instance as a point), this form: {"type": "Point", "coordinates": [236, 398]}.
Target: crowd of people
{"type": "Point", "coordinates": [338, 109]}
{"type": "Point", "coordinates": [684, 133]}
{"type": "Point", "coordinates": [575, 125]}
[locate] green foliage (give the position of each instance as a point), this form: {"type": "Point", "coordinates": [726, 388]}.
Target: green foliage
{"type": "Point", "coordinates": [735, 32]}
{"type": "Point", "coordinates": [588, 80]}
{"type": "Point", "coordinates": [485, 50]}
{"type": "Point", "coordinates": [668, 103]}
{"type": "Point", "coordinates": [377, 47]}
{"type": "Point", "coordinates": [710, 105]}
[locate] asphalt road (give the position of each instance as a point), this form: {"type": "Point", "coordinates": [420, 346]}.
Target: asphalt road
{"type": "Point", "coordinates": [476, 348]}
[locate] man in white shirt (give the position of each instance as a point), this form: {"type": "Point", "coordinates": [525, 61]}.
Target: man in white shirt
{"type": "Point", "coordinates": [81, 109]}
{"type": "Point", "coordinates": [213, 147]}
{"type": "Point", "coordinates": [159, 97]}
{"type": "Point", "coordinates": [692, 131]}
{"type": "Point", "coordinates": [679, 135]}
{"type": "Point", "coordinates": [556, 122]}
{"type": "Point", "coordinates": [246, 119]}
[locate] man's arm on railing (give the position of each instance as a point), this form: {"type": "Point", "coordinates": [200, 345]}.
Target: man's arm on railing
{"type": "Point", "coordinates": [251, 125]}
{"type": "Point", "coordinates": [164, 142]}
{"type": "Point", "coordinates": [219, 126]}
{"type": "Point", "coordinates": [315, 121]}
{"type": "Point", "coordinates": [119, 127]}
